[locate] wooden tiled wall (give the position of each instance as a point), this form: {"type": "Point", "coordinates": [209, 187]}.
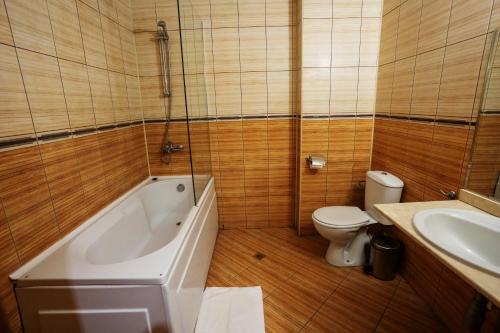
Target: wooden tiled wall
{"type": "Point", "coordinates": [346, 145]}
{"type": "Point", "coordinates": [66, 66]}
{"type": "Point", "coordinates": [339, 43]}
{"type": "Point", "coordinates": [49, 189]}
{"type": "Point", "coordinates": [71, 134]}
{"type": "Point", "coordinates": [433, 56]}
{"type": "Point", "coordinates": [253, 162]}
{"type": "Point", "coordinates": [483, 174]}
{"type": "Point", "coordinates": [249, 73]}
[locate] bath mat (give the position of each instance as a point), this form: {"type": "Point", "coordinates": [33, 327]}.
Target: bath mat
{"type": "Point", "coordinates": [231, 310]}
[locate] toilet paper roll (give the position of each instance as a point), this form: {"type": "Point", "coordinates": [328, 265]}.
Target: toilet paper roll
{"type": "Point", "coordinates": [316, 162]}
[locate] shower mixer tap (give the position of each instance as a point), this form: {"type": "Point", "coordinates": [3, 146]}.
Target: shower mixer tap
{"type": "Point", "coordinates": [170, 148]}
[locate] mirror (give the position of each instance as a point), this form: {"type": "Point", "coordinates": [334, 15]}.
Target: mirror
{"type": "Point", "coordinates": [484, 165]}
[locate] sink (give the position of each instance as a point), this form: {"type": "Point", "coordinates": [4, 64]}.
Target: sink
{"type": "Point", "coordinates": [470, 236]}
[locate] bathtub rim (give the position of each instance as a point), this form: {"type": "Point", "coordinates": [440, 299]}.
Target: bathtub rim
{"type": "Point", "coordinates": [19, 275]}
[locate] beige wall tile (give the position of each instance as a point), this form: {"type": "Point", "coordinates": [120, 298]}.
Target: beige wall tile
{"type": "Point", "coordinates": [226, 50]}
{"type": "Point", "coordinates": [370, 42]}
{"type": "Point", "coordinates": [101, 96]}
{"type": "Point", "coordinates": [253, 49]}
{"type": "Point", "coordinates": [228, 94]}
{"type": "Point", "coordinates": [345, 42]}
{"type": "Point", "coordinates": [34, 33]}
{"type": "Point", "coordinates": [112, 44]}
{"type": "Point", "coordinates": [468, 19]}
{"type": "Point", "coordinates": [175, 52]}
{"type": "Point", "coordinates": [372, 8]}
{"type": "Point", "coordinates": [384, 89]}
{"type": "Point", "coordinates": [428, 70]}
{"type": "Point", "coordinates": [66, 28]}
{"type": "Point", "coordinates": [134, 97]}
{"type": "Point", "coordinates": [409, 20]}
{"type": "Point", "coordinates": [433, 24]}
{"type": "Point", "coordinates": [315, 91]}
{"type": "Point", "coordinates": [347, 8]}
{"type": "Point", "coordinates": [462, 62]}
{"type": "Point", "coordinates": [317, 43]}
{"type": "Point", "coordinates": [254, 93]}
{"type": "Point", "coordinates": [5, 33]}
{"type": "Point", "coordinates": [147, 54]}
{"type": "Point", "coordinates": [15, 117]}
{"type": "Point", "coordinates": [280, 48]}
{"type": "Point", "coordinates": [317, 9]}
{"type": "Point", "coordinates": [44, 89]}
{"type": "Point", "coordinates": [280, 12]}
{"type": "Point", "coordinates": [495, 16]}
{"type": "Point", "coordinates": [93, 41]}
{"type": "Point", "coordinates": [144, 15]}
{"type": "Point", "coordinates": [280, 90]}
{"type": "Point", "coordinates": [390, 5]}
{"type": "Point", "coordinates": [344, 88]}
{"type": "Point", "coordinates": [388, 36]}
{"type": "Point", "coordinates": [124, 11]}
{"type": "Point", "coordinates": [176, 103]}
{"type": "Point", "coordinates": [367, 89]}
{"type": "Point", "coordinates": [402, 86]}
{"type": "Point", "coordinates": [77, 93]}
{"type": "Point", "coordinates": [108, 9]}
{"type": "Point", "coordinates": [252, 13]}
{"type": "Point", "coordinates": [153, 101]}
{"type": "Point", "coordinates": [119, 96]}
{"type": "Point", "coordinates": [224, 13]}
{"type": "Point", "coordinates": [167, 11]}
{"type": "Point", "coordinates": [129, 51]}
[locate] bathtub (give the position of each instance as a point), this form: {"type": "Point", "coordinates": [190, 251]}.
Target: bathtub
{"type": "Point", "coordinates": [139, 265]}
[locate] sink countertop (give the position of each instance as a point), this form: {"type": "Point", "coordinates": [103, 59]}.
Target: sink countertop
{"type": "Point", "coordinates": [401, 214]}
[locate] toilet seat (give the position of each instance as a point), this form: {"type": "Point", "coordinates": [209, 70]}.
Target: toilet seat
{"type": "Point", "coordinates": [341, 217]}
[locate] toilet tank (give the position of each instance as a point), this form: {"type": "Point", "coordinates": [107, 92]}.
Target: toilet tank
{"type": "Point", "coordinates": [381, 187]}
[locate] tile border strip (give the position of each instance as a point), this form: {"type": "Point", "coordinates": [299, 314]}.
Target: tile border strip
{"type": "Point", "coordinates": [430, 120]}
{"type": "Point", "coordinates": [30, 139]}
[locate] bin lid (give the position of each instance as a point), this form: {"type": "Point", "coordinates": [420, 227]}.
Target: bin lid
{"type": "Point", "coordinates": [383, 242]}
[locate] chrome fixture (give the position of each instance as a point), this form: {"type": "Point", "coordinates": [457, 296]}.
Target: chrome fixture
{"type": "Point", "coordinates": [452, 195]}
{"type": "Point", "coordinates": [169, 147]}
{"type": "Point", "coordinates": [163, 39]}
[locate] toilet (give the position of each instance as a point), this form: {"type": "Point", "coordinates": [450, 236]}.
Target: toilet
{"type": "Point", "coordinates": [345, 227]}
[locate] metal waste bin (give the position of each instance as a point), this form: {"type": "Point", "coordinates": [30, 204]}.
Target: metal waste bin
{"type": "Point", "coordinates": [385, 252]}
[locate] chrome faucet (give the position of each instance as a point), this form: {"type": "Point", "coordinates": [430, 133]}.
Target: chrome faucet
{"type": "Point", "coordinates": [170, 148]}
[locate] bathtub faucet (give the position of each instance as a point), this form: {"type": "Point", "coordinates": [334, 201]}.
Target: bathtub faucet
{"type": "Point", "coordinates": [170, 148]}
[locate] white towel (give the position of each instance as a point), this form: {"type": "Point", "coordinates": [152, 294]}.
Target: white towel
{"type": "Point", "coordinates": [231, 310]}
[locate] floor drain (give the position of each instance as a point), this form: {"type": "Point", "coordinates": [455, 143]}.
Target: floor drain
{"type": "Point", "coordinates": [259, 256]}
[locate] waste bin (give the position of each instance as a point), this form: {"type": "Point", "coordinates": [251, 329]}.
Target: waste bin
{"type": "Point", "coordinates": [385, 257]}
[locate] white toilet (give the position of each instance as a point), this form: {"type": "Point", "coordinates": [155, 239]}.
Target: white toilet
{"type": "Point", "coordinates": [345, 227]}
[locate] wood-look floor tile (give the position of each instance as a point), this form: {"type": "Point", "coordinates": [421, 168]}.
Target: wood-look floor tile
{"type": "Point", "coordinates": [408, 313]}
{"type": "Point", "coordinates": [277, 321]}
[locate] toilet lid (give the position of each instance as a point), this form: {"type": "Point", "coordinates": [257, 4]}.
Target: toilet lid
{"type": "Point", "coordinates": [341, 216]}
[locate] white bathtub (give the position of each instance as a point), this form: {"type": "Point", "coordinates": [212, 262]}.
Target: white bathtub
{"type": "Point", "coordinates": [140, 265]}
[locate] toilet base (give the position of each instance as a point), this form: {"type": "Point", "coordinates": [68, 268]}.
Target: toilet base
{"type": "Point", "coordinates": [352, 254]}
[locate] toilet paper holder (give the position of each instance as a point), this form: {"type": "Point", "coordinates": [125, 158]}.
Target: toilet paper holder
{"type": "Point", "coordinates": [316, 162]}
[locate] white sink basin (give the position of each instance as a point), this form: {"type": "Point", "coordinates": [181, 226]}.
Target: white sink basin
{"type": "Point", "coordinates": [470, 236]}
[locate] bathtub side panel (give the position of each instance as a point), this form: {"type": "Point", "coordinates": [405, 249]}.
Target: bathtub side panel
{"type": "Point", "coordinates": [184, 289]}
{"type": "Point", "coordinates": [90, 309]}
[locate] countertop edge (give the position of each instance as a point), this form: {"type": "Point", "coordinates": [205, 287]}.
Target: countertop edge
{"type": "Point", "coordinates": [438, 253]}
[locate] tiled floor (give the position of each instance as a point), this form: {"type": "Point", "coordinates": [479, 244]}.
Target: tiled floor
{"type": "Point", "coordinates": [303, 293]}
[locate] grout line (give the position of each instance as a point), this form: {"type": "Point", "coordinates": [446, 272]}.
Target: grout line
{"type": "Point", "coordinates": [388, 304]}
{"type": "Point", "coordinates": [326, 299]}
